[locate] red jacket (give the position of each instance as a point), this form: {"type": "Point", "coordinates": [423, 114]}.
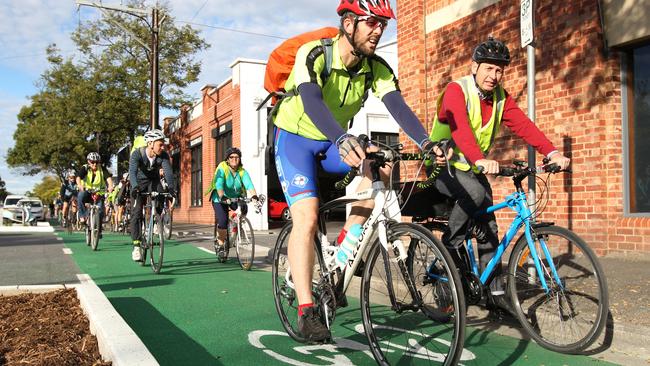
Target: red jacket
{"type": "Point", "coordinates": [454, 112]}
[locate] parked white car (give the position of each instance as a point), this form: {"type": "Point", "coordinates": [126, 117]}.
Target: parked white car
{"type": "Point", "coordinates": [11, 211]}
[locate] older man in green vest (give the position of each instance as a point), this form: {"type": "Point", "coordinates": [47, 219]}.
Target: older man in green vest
{"type": "Point", "coordinates": [471, 111]}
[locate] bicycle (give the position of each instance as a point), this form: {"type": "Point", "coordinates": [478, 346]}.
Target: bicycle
{"type": "Point", "coordinates": [394, 293]}
{"type": "Point", "coordinates": [167, 217]}
{"type": "Point", "coordinates": [70, 222]}
{"type": "Point", "coordinates": [152, 233]}
{"type": "Point", "coordinates": [545, 290]}
{"type": "Point", "coordinates": [93, 219]}
{"type": "Point", "coordinates": [240, 232]}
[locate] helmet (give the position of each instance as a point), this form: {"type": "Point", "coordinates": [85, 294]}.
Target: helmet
{"type": "Point", "coordinates": [93, 156]}
{"type": "Point", "coordinates": [70, 173]}
{"type": "Point", "coordinates": [492, 50]}
{"type": "Point", "coordinates": [154, 135]}
{"type": "Point", "coordinates": [377, 8]}
{"type": "Point", "coordinates": [232, 150]}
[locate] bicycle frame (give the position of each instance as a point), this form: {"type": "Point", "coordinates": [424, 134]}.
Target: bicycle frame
{"type": "Point", "coordinates": [518, 203]}
{"type": "Point", "coordinates": [386, 204]}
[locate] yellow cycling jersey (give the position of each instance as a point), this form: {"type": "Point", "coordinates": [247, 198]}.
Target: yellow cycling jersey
{"type": "Point", "coordinates": [343, 92]}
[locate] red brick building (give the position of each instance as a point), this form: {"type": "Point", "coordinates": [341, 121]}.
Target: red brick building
{"type": "Point", "coordinates": [592, 99]}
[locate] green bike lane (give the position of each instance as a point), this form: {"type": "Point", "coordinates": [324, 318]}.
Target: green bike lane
{"type": "Point", "coordinates": [200, 312]}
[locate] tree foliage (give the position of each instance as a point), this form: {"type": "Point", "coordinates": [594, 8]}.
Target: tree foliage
{"type": "Point", "coordinates": [47, 189]}
{"type": "Point", "coordinates": [99, 100]}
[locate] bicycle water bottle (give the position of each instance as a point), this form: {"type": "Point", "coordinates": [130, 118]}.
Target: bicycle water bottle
{"type": "Point", "coordinates": [348, 247]}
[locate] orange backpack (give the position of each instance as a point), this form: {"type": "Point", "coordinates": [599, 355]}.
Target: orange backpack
{"type": "Point", "coordinates": [283, 57]}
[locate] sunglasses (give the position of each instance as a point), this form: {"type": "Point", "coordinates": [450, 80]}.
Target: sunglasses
{"type": "Point", "coordinates": [374, 22]}
{"type": "Point", "coordinates": [233, 157]}
{"type": "Point", "coordinates": [93, 162]}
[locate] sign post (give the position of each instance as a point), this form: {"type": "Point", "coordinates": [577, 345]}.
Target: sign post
{"type": "Point", "coordinates": [527, 24]}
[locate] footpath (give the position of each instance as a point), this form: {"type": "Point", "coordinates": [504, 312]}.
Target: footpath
{"type": "Point", "coordinates": [201, 312]}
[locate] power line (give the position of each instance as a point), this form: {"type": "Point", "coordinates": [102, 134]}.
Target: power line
{"type": "Point", "coordinates": [231, 29]}
{"type": "Point", "coordinates": [197, 12]}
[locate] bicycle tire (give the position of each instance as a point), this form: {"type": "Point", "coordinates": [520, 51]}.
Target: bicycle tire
{"type": "Point", "coordinates": [387, 304]}
{"type": "Point", "coordinates": [157, 245]}
{"type": "Point", "coordinates": [95, 222]}
{"type": "Point", "coordinates": [244, 241]}
{"type": "Point", "coordinates": [167, 220]}
{"type": "Point", "coordinates": [576, 264]}
{"type": "Point", "coordinates": [284, 293]}
{"type": "Point", "coordinates": [88, 233]}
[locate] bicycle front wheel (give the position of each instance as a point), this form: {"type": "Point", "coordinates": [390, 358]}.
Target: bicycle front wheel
{"type": "Point", "coordinates": [244, 240]}
{"type": "Point", "coordinates": [156, 244]}
{"type": "Point", "coordinates": [95, 224]}
{"type": "Point", "coordinates": [414, 310]}
{"type": "Point", "coordinates": [570, 315]}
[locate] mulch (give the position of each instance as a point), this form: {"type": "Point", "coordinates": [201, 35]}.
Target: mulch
{"type": "Point", "coordinates": [46, 329]}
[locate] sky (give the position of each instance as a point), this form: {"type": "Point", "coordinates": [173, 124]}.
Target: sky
{"type": "Point", "coordinates": [29, 26]}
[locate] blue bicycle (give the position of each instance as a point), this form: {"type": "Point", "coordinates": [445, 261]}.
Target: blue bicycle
{"type": "Point", "coordinates": [556, 285]}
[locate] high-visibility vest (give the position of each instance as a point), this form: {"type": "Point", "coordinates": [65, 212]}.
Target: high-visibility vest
{"type": "Point", "coordinates": [484, 134]}
{"type": "Point", "coordinates": [94, 180]}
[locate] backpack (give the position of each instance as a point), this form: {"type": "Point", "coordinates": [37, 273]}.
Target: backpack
{"type": "Point", "coordinates": [283, 57]}
{"type": "Point", "coordinates": [138, 142]}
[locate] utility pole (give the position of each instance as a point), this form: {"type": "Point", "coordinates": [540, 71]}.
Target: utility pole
{"type": "Point", "coordinates": [156, 22]}
{"type": "Point", "coordinates": [527, 24]}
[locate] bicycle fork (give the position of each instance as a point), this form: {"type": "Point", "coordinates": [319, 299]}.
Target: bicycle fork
{"type": "Point", "coordinates": [397, 248]}
{"type": "Point", "coordinates": [542, 273]}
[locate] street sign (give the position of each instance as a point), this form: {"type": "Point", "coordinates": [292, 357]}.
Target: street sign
{"type": "Point", "coordinates": [526, 22]}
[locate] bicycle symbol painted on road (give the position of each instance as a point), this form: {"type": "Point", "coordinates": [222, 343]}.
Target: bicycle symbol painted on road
{"type": "Point", "coordinates": [336, 353]}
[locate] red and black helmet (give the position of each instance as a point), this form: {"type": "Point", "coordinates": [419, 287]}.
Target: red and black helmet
{"type": "Point", "coordinates": [377, 8]}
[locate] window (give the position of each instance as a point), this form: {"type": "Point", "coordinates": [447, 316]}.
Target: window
{"type": "Point", "coordinates": [386, 138]}
{"type": "Point", "coordinates": [223, 140]}
{"type": "Point", "coordinates": [197, 179]}
{"type": "Point", "coordinates": [390, 139]}
{"type": "Point", "coordinates": [638, 130]}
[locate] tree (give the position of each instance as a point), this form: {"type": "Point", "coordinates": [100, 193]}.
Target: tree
{"type": "Point", "coordinates": [100, 101]}
{"type": "Point", "coordinates": [47, 189]}
{"type": "Point", "coordinates": [3, 190]}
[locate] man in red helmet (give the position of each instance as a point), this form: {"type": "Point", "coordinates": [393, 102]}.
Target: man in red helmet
{"type": "Point", "coordinates": [313, 120]}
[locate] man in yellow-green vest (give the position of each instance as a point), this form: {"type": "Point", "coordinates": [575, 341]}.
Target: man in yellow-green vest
{"type": "Point", "coordinates": [93, 177]}
{"type": "Point", "coordinates": [471, 111]}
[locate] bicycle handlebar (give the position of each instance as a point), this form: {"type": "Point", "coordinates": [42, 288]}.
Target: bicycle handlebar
{"type": "Point", "coordinates": [384, 156]}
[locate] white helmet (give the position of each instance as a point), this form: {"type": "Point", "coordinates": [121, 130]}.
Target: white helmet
{"type": "Point", "coordinates": [70, 173]}
{"type": "Point", "coordinates": [154, 135]}
{"type": "Point", "coordinates": [93, 156]}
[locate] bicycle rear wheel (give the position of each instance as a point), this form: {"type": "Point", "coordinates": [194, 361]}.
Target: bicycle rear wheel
{"type": "Point", "coordinates": [156, 244]}
{"type": "Point", "coordinates": [284, 292]}
{"type": "Point", "coordinates": [571, 315]}
{"type": "Point", "coordinates": [244, 241]}
{"type": "Point", "coordinates": [415, 306]}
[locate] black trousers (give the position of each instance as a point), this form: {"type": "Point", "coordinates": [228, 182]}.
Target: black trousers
{"type": "Point", "coordinates": [471, 193]}
{"type": "Point", "coordinates": [137, 200]}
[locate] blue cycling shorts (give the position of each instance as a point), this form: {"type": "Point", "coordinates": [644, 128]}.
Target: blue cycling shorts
{"type": "Point", "coordinates": [296, 160]}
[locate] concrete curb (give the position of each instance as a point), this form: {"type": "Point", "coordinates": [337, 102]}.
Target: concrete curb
{"type": "Point", "coordinates": [117, 342]}
{"type": "Point", "coordinates": [42, 227]}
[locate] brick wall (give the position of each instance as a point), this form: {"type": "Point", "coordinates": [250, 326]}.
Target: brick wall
{"type": "Point", "coordinates": [220, 105]}
{"type": "Point", "coordinates": [578, 104]}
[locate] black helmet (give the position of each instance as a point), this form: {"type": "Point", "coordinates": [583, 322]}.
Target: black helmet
{"type": "Point", "coordinates": [492, 50]}
{"type": "Point", "coordinates": [230, 151]}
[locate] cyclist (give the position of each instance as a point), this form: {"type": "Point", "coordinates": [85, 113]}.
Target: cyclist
{"type": "Point", "coordinates": [144, 166]}
{"type": "Point", "coordinates": [121, 198]}
{"type": "Point", "coordinates": [230, 180]}
{"type": "Point", "coordinates": [313, 122]}
{"type": "Point", "coordinates": [111, 206]}
{"type": "Point", "coordinates": [471, 111]}
{"type": "Point", "coordinates": [68, 192]}
{"type": "Point", "coordinates": [56, 205]}
{"type": "Point", "coordinates": [93, 176]}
